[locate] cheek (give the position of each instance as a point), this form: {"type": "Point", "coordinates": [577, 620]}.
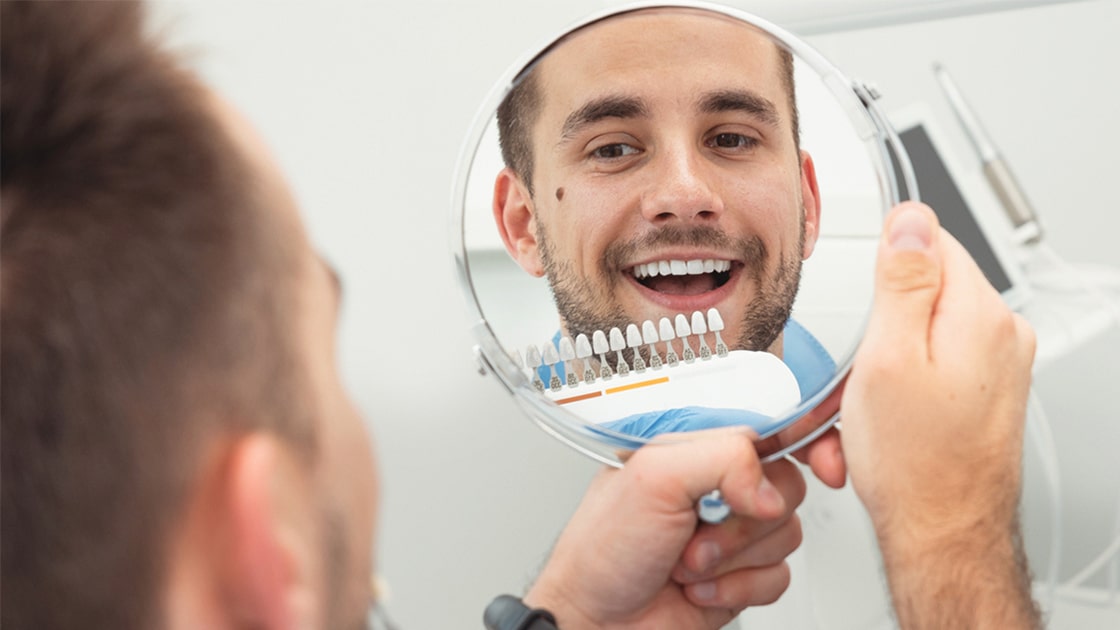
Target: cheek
{"type": "Point", "coordinates": [582, 224]}
{"type": "Point", "coordinates": [360, 475]}
{"type": "Point", "coordinates": [360, 478]}
{"type": "Point", "coordinates": [771, 208]}
{"type": "Point", "coordinates": [351, 477]}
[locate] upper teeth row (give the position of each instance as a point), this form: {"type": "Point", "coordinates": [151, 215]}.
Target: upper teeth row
{"type": "Point", "coordinates": [681, 267]}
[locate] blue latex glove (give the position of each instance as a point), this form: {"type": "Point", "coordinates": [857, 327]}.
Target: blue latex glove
{"type": "Point", "coordinates": [654, 423]}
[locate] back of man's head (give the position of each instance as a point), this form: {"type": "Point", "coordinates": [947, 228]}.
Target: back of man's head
{"type": "Point", "coordinates": [143, 311]}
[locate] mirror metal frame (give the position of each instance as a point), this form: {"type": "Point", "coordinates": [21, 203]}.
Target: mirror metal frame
{"type": "Point", "coordinates": [606, 446]}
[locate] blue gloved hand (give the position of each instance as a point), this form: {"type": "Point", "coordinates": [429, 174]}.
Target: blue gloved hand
{"type": "Point", "coordinates": [654, 423]}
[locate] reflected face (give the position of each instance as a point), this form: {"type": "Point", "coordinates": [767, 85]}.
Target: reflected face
{"type": "Point", "coordinates": [665, 177]}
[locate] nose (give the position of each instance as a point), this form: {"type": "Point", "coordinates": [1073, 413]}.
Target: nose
{"type": "Point", "coordinates": [680, 188]}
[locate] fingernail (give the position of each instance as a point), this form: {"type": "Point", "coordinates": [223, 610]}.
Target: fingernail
{"type": "Point", "coordinates": [769, 499]}
{"type": "Point", "coordinates": [910, 230]}
{"type": "Point", "coordinates": [704, 591]}
{"type": "Point", "coordinates": [707, 556]}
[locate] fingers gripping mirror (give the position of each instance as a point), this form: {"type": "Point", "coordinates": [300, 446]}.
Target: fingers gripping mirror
{"type": "Point", "coordinates": [666, 220]}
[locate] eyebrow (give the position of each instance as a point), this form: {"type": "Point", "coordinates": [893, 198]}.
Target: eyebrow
{"type": "Point", "coordinates": [742, 101]}
{"type": "Point", "coordinates": [600, 108]}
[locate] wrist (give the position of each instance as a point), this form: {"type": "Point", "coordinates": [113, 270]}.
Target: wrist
{"type": "Point", "coordinates": [948, 577]}
{"type": "Point", "coordinates": [506, 612]}
{"type": "Point", "coordinates": [567, 614]}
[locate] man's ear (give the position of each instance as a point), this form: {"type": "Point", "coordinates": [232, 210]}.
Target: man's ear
{"type": "Point", "coordinates": [811, 200]}
{"type": "Point", "coordinates": [513, 213]}
{"type": "Point", "coordinates": [248, 556]}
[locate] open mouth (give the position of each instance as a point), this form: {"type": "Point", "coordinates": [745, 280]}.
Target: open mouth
{"type": "Point", "coordinates": [683, 277]}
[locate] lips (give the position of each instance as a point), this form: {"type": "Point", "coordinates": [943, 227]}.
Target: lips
{"type": "Point", "coordinates": [683, 277]}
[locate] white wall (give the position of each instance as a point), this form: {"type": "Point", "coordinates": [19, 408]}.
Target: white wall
{"type": "Point", "coordinates": [1039, 79]}
{"type": "Point", "coordinates": [366, 105]}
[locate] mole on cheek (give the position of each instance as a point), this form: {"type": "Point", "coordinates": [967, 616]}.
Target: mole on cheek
{"type": "Point", "coordinates": [559, 194]}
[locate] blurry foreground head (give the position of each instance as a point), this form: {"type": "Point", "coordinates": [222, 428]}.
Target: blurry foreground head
{"type": "Point", "coordinates": [177, 449]}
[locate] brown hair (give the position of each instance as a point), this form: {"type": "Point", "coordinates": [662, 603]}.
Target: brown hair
{"type": "Point", "coordinates": [517, 113]}
{"type": "Point", "coordinates": [143, 311]}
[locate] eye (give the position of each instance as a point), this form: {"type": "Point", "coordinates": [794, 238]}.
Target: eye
{"type": "Point", "coordinates": [613, 151]}
{"type": "Point", "coordinates": [729, 140]}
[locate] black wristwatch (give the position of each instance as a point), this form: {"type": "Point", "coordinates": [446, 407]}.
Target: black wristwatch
{"type": "Point", "coordinates": [507, 612]}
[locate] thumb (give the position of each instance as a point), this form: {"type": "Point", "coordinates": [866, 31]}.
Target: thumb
{"type": "Point", "coordinates": [907, 277]}
{"type": "Point", "coordinates": [676, 474]}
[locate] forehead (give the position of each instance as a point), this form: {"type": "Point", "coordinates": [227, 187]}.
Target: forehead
{"type": "Point", "coordinates": [674, 52]}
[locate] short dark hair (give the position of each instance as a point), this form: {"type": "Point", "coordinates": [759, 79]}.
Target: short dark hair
{"type": "Point", "coordinates": [518, 111]}
{"type": "Point", "coordinates": [144, 311]}
{"type": "Point", "coordinates": [516, 115]}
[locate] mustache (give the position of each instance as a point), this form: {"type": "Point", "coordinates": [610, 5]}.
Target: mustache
{"type": "Point", "coordinates": [750, 250]}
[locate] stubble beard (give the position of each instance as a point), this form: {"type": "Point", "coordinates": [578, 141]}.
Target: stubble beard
{"type": "Point", "coordinates": [582, 310]}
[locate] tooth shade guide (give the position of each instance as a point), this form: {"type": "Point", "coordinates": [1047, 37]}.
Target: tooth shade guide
{"type": "Point", "coordinates": [572, 399]}
{"type": "Point", "coordinates": [705, 351]}
{"type": "Point", "coordinates": [634, 341]}
{"type": "Point", "coordinates": [684, 332]}
{"type": "Point", "coordinates": [573, 381]}
{"type": "Point", "coordinates": [756, 382]}
{"type": "Point", "coordinates": [614, 390]}
{"type": "Point", "coordinates": [639, 363]}
{"type": "Point", "coordinates": [550, 357]}
{"type": "Point", "coordinates": [602, 344]}
{"type": "Point", "coordinates": [566, 350]}
{"type": "Point", "coordinates": [671, 358]}
{"type": "Point", "coordinates": [588, 373]}
{"type": "Point", "coordinates": [567, 356]}
{"type": "Point", "coordinates": [687, 355]}
{"type": "Point", "coordinates": [623, 388]}
{"type": "Point", "coordinates": [532, 362]}
{"type": "Point", "coordinates": [605, 371]}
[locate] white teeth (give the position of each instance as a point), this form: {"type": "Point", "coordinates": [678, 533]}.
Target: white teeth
{"type": "Point", "coordinates": [618, 342]}
{"type": "Point", "coordinates": [567, 352]}
{"type": "Point", "coordinates": [633, 336]}
{"type": "Point", "coordinates": [682, 326]}
{"type": "Point", "coordinates": [649, 332]}
{"type": "Point", "coordinates": [599, 342]}
{"type": "Point", "coordinates": [699, 326]}
{"type": "Point", "coordinates": [583, 346]}
{"type": "Point", "coordinates": [693, 267]}
{"type": "Point", "coordinates": [665, 328]}
{"type": "Point", "coordinates": [549, 355]}
{"type": "Point", "coordinates": [532, 357]}
{"type": "Point", "coordinates": [715, 321]}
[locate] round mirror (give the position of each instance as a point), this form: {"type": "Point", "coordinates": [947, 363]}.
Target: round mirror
{"type": "Point", "coordinates": [666, 220]}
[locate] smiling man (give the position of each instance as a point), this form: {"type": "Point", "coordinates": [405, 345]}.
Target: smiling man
{"type": "Point", "coordinates": [179, 450]}
{"type": "Point", "coordinates": [653, 168]}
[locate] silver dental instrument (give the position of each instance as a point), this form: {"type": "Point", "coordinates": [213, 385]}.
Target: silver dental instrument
{"type": "Point", "coordinates": [996, 170]}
